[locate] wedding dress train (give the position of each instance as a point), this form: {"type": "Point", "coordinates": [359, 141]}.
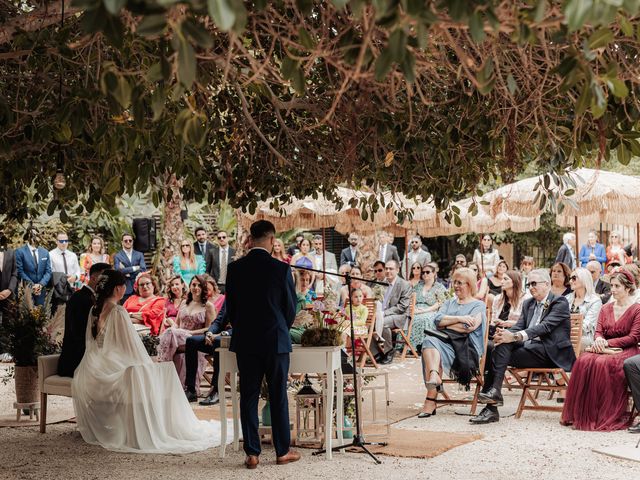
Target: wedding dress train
{"type": "Point", "coordinates": [127, 403]}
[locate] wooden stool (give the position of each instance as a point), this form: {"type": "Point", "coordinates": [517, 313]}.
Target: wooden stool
{"type": "Point", "coordinates": [34, 408]}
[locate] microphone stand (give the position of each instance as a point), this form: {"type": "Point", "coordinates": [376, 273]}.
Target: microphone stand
{"type": "Point", "coordinates": [358, 438]}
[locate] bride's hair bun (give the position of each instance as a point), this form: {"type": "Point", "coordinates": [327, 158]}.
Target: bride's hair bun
{"type": "Point", "coordinates": [107, 283]}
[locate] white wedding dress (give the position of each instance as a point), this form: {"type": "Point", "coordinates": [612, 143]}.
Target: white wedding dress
{"type": "Point", "coordinates": [127, 403]}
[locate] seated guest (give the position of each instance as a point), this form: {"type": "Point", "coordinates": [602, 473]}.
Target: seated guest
{"type": "Point", "coordinates": [144, 306]}
{"type": "Point", "coordinates": [415, 275]}
{"type": "Point", "coordinates": [495, 281]}
{"type": "Point", "coordinates": [175, 297]}
{"type": "Point", "coordinates": [395, 307]}
{"type": "Point", "coordinates": [76, 316]}
{"type": "Point", "coordinates": [597, 396]}
{"type": "Point", "coordinates": [466, 316]}
{"type": "Point", "coordinates": [541, 338]}
{"type": "Point", "coordinates": [304, 292]}
{"type": "Point", "coordinates": [355, 283]}
{"type": "Point", "coordinates": [482, 284]}
{"type": "Point", "coordinates": [213, 293]}
{"type": "Point", "coordinates": [592, 250]}
{"type": "Point", "coordinates": [560, 274]}
{"type": "Point", "coordinates": [633, 269]}
{"type": "Point", "coordinates": [430, 295]}
{"type": "Point", "coordinates": [602, 288]}
{"type": "Point", "coordinates": [583, 299]}
{"type": "Point", "coordinates": [615, 251]}
{"type": "Point", "coordinates": [360, 312]}
{"type": "Point", "coordinates": [379, 274]}
{"type": "Point", "coordinates": [436, 273]}
{"type": "Point", "coordinates": [526, 266]}
{"type": "Point", "coordinates": [279, 251]}
{"type": "Point", "coordinates": [566, 253]}
{"type": "Point", "coordinates": [187, 264]}
{"type": "Point", "coordinates": [208, 345]}
{"type": "Point", "coordinates": [194, 318]}
{"type": "Point", "coordinates": [631, 368]}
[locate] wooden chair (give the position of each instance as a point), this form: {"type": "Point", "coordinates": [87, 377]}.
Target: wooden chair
{"type": "Point", "coordinates": [535, 380]}
{"type": "Point", "coordinates": [364, 340]}
{"type": "Point", "coordinates": [476, 383]}
{"type": "Point", "coordinates": [406, 336]}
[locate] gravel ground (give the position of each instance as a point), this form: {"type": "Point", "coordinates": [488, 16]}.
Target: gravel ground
{"type": "Point", "coordinates": [511, 449]}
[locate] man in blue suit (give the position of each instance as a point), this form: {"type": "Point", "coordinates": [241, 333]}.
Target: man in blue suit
{"type": "Point", "coordinates": [207, 343]}
{"type": "Point", "coordinates": [261, 317]}
{"type": "Point", "coordinates": [33, 266]}
{"type": "Point", "coordinates": [130, 262]}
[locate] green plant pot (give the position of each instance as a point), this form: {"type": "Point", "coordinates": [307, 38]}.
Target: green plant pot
{"type": "Point", "coordinates": [266, 415]}
{"type": "Point", "coordinates": [347, 424]}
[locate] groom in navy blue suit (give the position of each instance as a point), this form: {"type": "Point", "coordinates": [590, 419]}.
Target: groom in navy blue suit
{"type": "Point", "coordinates": [261, 317]}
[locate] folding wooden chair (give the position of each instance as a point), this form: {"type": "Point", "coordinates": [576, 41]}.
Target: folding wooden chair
{"type": "Point", "coordinates": [406, 336]}
{"type": "Point", "coordinates": [544, 377]}
{"type": "Point", "coordinates": [363, 341]}
{"type": "Point", "coordinates": [476, 383]}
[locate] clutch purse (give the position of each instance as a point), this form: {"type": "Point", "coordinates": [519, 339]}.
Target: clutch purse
{"type": "Point", "coordinates": [439, 334]}
{"type": "Point", "coordinates": [606, 351]}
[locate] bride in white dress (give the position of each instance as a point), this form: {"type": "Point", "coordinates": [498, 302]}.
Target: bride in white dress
{"type": "Point", "coordinates": [123, 400]}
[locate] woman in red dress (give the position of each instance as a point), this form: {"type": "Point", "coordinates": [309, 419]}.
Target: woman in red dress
{"type": "Point", "coordinates": [144, 306]}
{"type": "Point", "coordinates": [597, 397]}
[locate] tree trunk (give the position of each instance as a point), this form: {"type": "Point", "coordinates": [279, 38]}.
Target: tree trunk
{"type": "Point", "coordinates": [173, 226]}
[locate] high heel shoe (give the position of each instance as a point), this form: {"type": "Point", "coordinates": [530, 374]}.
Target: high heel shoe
{"type": "Point", "coordinates": [436, 385]}
{"type": "Point", "coordinates": [432, 414]}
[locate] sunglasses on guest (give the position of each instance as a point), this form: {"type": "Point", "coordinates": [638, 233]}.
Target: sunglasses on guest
{"type": "Point", "coordinates": [379, 270]}
{"type": "Point", "coordinates": [573, 278]}
{"type": "Point", "coordinates": [534, 284]}
{"type": "Point", "coordinates": [221, 237]}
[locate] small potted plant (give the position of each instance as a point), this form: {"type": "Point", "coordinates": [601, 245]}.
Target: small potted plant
{"type": "Point", "coordinates": [25, 335]}
{"type": "Point", "coordinates": [326, 329]}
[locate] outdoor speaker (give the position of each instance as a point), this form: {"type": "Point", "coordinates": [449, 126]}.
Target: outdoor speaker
{"type": "Point", "coordinates": [144, 234]}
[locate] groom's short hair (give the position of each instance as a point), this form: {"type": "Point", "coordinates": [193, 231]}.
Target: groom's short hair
{"type": "Point", "coordinates": [262, 229]}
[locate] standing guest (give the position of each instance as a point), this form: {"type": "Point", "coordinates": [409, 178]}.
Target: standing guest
{"type": "Point", "coordinates": [482, 284]}
{"type": "Point", "coordinates": [597, 397]}
{"type": "Point", "coordinates": [415, 275]}
{"type": "Point", "coordinates": [76, 316]}
{"type": "Point", "coordinates": [567, 252]}
{"type": "Point", "coordinates": [602, 288]}
{"type": "Point", "coordinates": [8, 277]}
{"type": "Point", "coordinates": [395, 307]}
{"type": "Point", "coordinates": [304, 258]}
{"type": "Point", "coordinates": [495, 281]}
{"type": "Point", "coordinates": [130, 262]}
{"type": "Point", "coordinates": [615, 250]}
{"type": "Point", "coordinates": [194, 318]}
{"type": "Point", "coordinates": [219, 258]}
{"type": "Point", "coordinates": [323, 260]}
{"type": "Point", "coordinates": [295, 247]}
{"type": "Point", "coordinates": [430, 295]}
{"type": "Point", "coordinates": [631, 368]}
{"type": "Point", "coordinates": [261, 318]}
{"type": "Point", "coordinates": [415, 255]}
{"type": "Point", "coordinates": [592, 250]}
{"type": "Point", "coordinates": [96, 253]}
{"type": "Point", "coordinates": [202, 245]}
{"type": "Point", "coordinates": [33, 266]}
{"type": "Point", "coordinates": [387, 250]}
{"type": "Point", "coordinates": [145, 307]}
{"type": "Point", "coordinates": [279, 252]}
{"type": "Point", "coordinates": [176, 293]}
{"type": "Point", "coordinates": [526, 266]}
{"type": "Point", "coordinates": [355, 283]}
{"type": "Point", "coordinates": [583, 299]}
{"type": "Point", "coordinates": [188, 265]}
{"type": "Point", "coordinates": [350, 254]}
{"type": "Point", "coordinates": [464, 315]}
{"type": "Point", "coordinates": [487, 256]}
{"type": "Point", "coordinates": [213, 293]}
{"type": "Point", "coordinates": [541, 338]}
{"type": "Point", "coordinates": [65, 271]}
{"type": "Point", "coordinates": [560, 274]}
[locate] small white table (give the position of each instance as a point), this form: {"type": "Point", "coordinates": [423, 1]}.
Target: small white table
{"type": "Point", "coordinates": [302, 360]}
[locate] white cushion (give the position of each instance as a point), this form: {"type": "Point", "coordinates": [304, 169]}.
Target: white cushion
{"type": "Point", "coordinates": [57, 385]}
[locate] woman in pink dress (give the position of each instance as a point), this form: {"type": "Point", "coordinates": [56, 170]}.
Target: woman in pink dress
{"type": "Point", "coordinates": [597, 397]}
{"type": "Point", "coordinates": [193, 318]}
{"type": "Point", "coordinates": [213, 293]}
{"type": "Point", "coordinates": [176, 295]}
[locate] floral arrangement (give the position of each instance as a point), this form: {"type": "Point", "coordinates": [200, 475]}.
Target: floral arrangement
{"type": "Point", "coordinates": [326, 326]}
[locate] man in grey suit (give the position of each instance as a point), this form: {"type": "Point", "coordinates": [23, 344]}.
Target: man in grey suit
{"type": "Point", "coordinates": [416, 254]}
{"type": "Point", "coordinates": [395, 305]}
{"type": "Point", "coordinates": [330, 264]}
{"type": "Point", "coordinates": [567, 252]}
{"type": "Point", "coordinates": [218, 258]}
{"type": "Point", "coordinates": [8, 277]}
{"type": "Point", "coordinates": [632, 372]}
{"type": "Point", "coordinates": [387, 250]}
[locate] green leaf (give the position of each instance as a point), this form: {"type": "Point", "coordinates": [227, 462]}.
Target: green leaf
{"type": "Point", "coordinates": [569, 192]}
{"type": "Point", "coordinates": [340, 4]}
{"type": "Point", "coordinates": [158, 100]}
{"type": "Point", "coordinates": [476, 27]}
{"type": "Point", "coordinates": [196, 32]}
{"type": "Point", "coordinates": [305, 39]}
{"type": "Point", "coordinates": [540, 9]}
{"type": "Point", "coordinates": [576, 12]}
{"type": "Point", "coordinates": [625, 26]}
{"type": "Point", "coordinates": [398, 45]}
{"type": "Point", "coordinates": [288, 67]}
{"type": "Point", "coordinates": [618, 87]}
{"type": "Point", "coordinates": [584, 100]}
{"type": "Point", "coordinates": [222, 13]}
{"type": "Point", "coordinates": [598, 101]}
{"type": "Point", "coordinates": [154, 74]}
{"type": "Point", "coordinates": [383, 65]}
{"type": "Point", "coordinates": [152, 25]}
{"type": "Point", "coordinates": [112, 185]}
{"type": "Point", "coordinates": [623, 154]}
{"type": "Point", "coordinates": [186, 62]}
{"type": "Point", "coordinates": [512, 86]}
{"type": "Point", "coordinates": [298, 82]}
{"type": "Point", "coordinates": [408, 67]}
{"type": "Point", "coordinates": [114, 6]}
{"type": "Point", "coordinates": [305, 7]}
{"type": "Point", "coordinates": [600, 38]}
{"type": "Point", "coordinates": [415, 7]}
{"type": "Point", "coordinates": [122, 92]}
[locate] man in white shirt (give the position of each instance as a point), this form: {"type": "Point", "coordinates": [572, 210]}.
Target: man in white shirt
{"type": "Point", "coordinates": [218, 258]}
{"type": "Point", "coordinates": [329, 264]}
{"type": "Point", "coordinates": [65, 271]}
{"type": "Point", "coordinates": [387, 250]}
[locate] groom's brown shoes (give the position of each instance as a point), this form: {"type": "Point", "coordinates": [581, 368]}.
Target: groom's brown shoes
{"type": "Point", "coordinates": [251, 461]}
{"type": "Point", "coordinates": [291, 456]}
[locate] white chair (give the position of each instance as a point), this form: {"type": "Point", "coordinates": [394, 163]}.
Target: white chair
{"type": "Point", "coordinates": [50, 384]}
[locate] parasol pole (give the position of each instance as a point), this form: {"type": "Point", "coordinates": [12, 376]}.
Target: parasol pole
{"type": "Point", "coordinates": [324, 267]}
{"type": "Point", "coordinates": [575, 220]}
{"type": "Point", "coordinates": [406, 255]}
{"type": "Point", "coordinates": [637, 240]}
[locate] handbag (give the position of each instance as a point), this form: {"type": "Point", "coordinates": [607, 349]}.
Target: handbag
{"type": "Point", "coordinates": [439, 334]}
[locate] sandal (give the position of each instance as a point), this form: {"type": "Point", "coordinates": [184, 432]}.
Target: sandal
{"type": "Point", "coordinates": [436, 385]}
{"type": "Point", "coordinates": [433, 413]}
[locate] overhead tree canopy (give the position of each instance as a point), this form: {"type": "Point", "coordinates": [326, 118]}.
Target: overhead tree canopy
{"type": "Point", "coordinates": [251, 100]}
